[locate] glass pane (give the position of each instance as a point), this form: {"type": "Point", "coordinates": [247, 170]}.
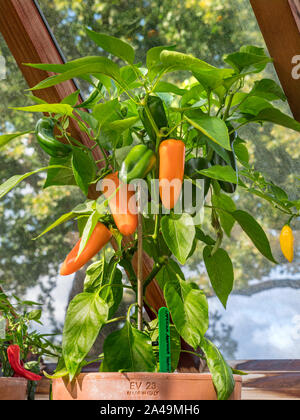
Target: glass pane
{"type": "Point", "coordinates": [262, 317]}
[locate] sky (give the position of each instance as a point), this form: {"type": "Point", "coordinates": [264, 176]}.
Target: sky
{"type": "Point", "coordinates": [265, 325]}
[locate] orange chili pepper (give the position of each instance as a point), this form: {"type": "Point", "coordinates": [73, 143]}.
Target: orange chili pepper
{"type": "Point", "coordinates": [287, 243]}
{"type": "Point", "coordinates": [100, 236]}
{"type": "Point", "coordinates": [171, 171]}
{"type": "Point", "coordinates": [122, 205]}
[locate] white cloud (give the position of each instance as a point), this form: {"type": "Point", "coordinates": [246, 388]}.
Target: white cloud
{"type": "Point", "coordinates": [264, 325]}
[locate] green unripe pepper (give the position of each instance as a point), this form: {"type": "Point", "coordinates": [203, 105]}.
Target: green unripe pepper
{"type": "Point", "coordinates": [94, 97]}
{"type": "Point", "coordinates": [44, 131]}
{"type": "Point", "coordinates": [158, 113]}
{"type": "Point", "coordinates": [193, 166]}
{"type": "Point", "coordinates": [139, 162]}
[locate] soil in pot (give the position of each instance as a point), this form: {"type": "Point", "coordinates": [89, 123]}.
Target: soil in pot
{"type": "Point", "coordinates": [140, 386]}
{"type": "Point", "coordinates": [13, 389]}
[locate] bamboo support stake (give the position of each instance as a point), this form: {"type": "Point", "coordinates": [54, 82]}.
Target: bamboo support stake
{"type": "Point", "coordinates": [140, 262]}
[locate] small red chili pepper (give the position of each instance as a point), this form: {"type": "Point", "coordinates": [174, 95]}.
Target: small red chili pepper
{"type": "Point", "coordinates": [13, 353]}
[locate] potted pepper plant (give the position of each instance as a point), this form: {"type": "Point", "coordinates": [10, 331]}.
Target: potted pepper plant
{"type": "Point", "coordinates": [171, 153]}
{"type": "Point", "coordinates": [21, 349]}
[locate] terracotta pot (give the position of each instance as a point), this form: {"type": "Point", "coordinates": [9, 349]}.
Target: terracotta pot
{"type": "Point", "coordinates": [140, 386]}
{"type": "Point", "coordinates": [13, 389]}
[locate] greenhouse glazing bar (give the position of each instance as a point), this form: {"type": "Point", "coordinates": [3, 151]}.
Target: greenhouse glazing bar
{"type": "Point", "coordinates": [282, 37]}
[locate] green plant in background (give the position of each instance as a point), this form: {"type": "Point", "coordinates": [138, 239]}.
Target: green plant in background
{"type": "Point", "coordinates": [132, 106]}
{"type": "Point", "coordinates": [17, 335]}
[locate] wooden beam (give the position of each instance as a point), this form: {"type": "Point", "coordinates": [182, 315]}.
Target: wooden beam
{"type": "Point", "coordinates": [282, 37]}
{"type": "Point", "coordinates": [270, 379]}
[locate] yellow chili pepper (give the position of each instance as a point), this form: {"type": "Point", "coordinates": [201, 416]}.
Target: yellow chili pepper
{"type": "Point", "coordinates": [287, 243]}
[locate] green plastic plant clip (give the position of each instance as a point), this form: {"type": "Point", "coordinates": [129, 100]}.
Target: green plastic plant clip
{"type": "Point", "coordinates": [164, 340]}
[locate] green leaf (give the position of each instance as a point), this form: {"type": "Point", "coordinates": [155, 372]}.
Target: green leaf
{"type": "Point", "coordinates": [78, 68]}
{"type": "Point", "coordinates": [220, 271]}
{"type": "Point", "coordinates": [63, 68]}
{"type": "Point", "coordinates": [173, 60]}
{"type": "Point", "coordinates": [64, 218]}
{"type": "Point", "coordinates": [221, 373]}
{"type": "Point", "coordinates": [153, 55]}
{"type": "Point", "coordinates": [103, 112]}
{"type": "Point", "coordinates": [268, 89]}
{"type": "Point", "coordinates": [129, 350]}
{"type": "Point", "coordinates": [112, 45]}
{"type": "Point", "coordinates": [35, 315]}
{"type": "Point", "coordinates": [84, 168]}
{"type": "Point", "coordinates": [223, 173]}
{"type": "Point", "coordinates": [209, 76]}
{"type": "Point", "coordinates": [113, 295]}
{"type": "Point", "coordinates": [254, 105]}
{"type": "Point", "coordinates": [169, 88]}
{"type": "Point", "coordinates": [121, 153]}
{"type": "Point", "coordinates": [178, 232]}
{"type": "Point", "coordinates": [71, 99]}
{"type": "Point", "coordinates": [99, 274]}
{"type": "Point", "coordinates": [278, 192]}
{"type": "Point", "coordinates": [122, 125]}
{"type": "Point", "coordinates": [62, 175]}
{"type": "Point", "coordinates": [223, 201]}
{"type": "Point", "coordinates": [239, 372]}
{"type": "Point", "coordinates": [85, 208]}
{"type": "Point", "coordinates": [59, 374]}
{"type": "Point", "coordinates": [212, 127]}
{"type": "Point", "coordinates": [88, 119]}
{"type": "Point", "coordinates": [200, 235]}
{"type": "Point", "coordinates": [248, 60]}
{"type": "Point", "coordinates": [168, 272]}
{"type": "Point", "coordinates": [254, 232]}
{"type": "Point", "coordinates": [6, 138]}
{"type": "Point", "coordinates": [16, 179]}
{"type": "Point", "coordinates": [241, 152]}
{"type": "Point", "coordinates": [212, 78]}
{"type": "Point", "coordinates": [275, 116]}
{"type": "Point", "coordinates": [194, 93]}
{"type": "Point", "coordinates": [94, 276]}
{"type": "Point", "coordinates": [130, 74]}
{"type": "Point", "coordinates": [63, 109]}
{"type": "Point", "coordinates": [81, 222]}
{"type": "Point", "coordinates": [189, 310]}
{"type": "Point", "coordinates": [252, 49]}
{"type": "Point", "coordinates": [86, 315]}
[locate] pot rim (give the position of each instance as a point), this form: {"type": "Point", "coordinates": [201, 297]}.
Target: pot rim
{"type": "Point", "coordinates": [13, 379]}
{"type": "Point", "coordinates": [153, 375]}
